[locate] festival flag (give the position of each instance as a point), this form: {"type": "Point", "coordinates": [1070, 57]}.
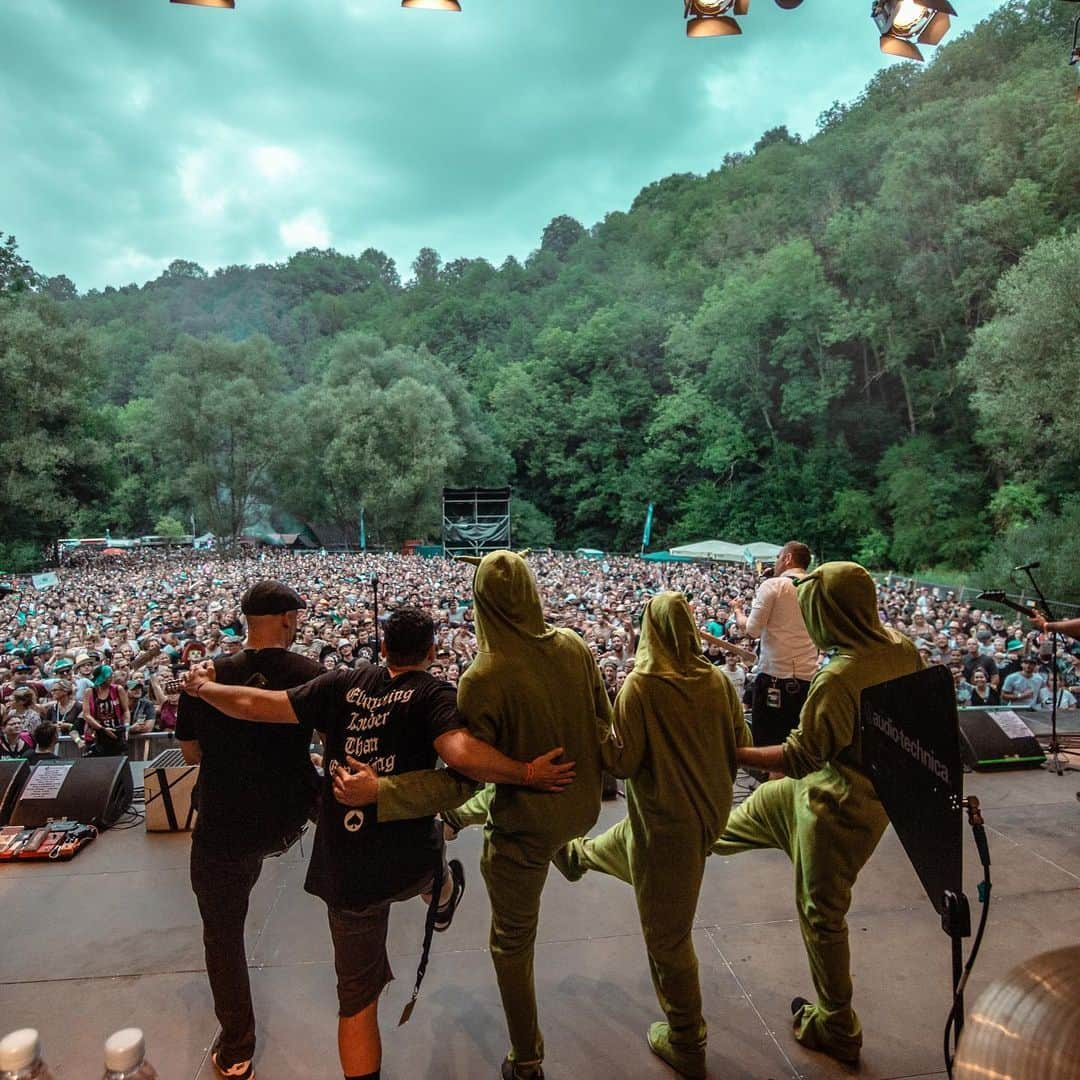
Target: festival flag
{"type": "Point", "coordinates": [647, 535]}
{"type": "Point", "coordinates": [363, 533]}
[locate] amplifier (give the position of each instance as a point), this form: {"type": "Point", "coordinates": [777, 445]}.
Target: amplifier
{"type": "Point", "coordinates": [997, 739]}
{"type": "Point", "coordinates": [13, 774]}
{"type": "Point", "coordinates": [94, 791]}
{"type": "Point", "coordinates": [169, 784]}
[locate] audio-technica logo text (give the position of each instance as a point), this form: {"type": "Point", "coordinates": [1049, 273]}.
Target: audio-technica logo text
{"type": "Point", "coordinates": [912, 746]}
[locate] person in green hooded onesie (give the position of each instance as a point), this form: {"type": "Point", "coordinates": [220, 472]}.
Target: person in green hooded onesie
{"type": "Point", "coordinates": [825, 813]}
{"type": "Point", "coordinates": [678, 722]}
{"type": "Point", "coordinates": [530, 685]}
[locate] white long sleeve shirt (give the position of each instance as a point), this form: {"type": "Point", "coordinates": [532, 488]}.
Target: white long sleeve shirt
{"type": "Point", "coordinates": [786, 649]}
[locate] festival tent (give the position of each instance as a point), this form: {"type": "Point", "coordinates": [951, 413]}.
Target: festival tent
{"type": "Point", "coordinates": [761, 552]}
{"type": "Point", "coordinates": [666, 556]}
{"type": "Point", "coordinates": [716, 550]}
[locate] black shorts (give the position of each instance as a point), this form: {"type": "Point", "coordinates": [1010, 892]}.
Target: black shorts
{"type": "Point", "coordinates": [771, 724]}
{"type": "Point", "coordinates": [360, 959]}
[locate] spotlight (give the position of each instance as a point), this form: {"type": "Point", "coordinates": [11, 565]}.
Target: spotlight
{"type": "Point", "coordinates": [207, 3]}
{"type": "Point", "coordinates": [904, 22]}
{"type": "Point", "coordinates": [432, 5]}
{"type": "Point", "coordinates": [713, 18]}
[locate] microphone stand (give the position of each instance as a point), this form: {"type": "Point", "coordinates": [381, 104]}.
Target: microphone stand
{"type": "Point", "coordinates": [1056, 760]}
{"type": "Point", "coordinates": [375, 593]}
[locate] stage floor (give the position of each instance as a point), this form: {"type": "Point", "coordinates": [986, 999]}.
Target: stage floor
{"type": "Point", "coordinates": [113, 939]}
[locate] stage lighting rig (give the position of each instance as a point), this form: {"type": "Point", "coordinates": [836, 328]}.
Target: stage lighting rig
{"type": "Point", "coordinates": [713, 18]}
{"type": "Point", "coordinates": [207, 3]}
{"type": "Point", "coordinates": [902, 23]}
{"type": "Point", "coordinates": [432, 5]}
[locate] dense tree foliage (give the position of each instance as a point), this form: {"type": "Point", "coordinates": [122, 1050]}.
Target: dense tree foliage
{"type": "Point", "coordinates": [867, 339]}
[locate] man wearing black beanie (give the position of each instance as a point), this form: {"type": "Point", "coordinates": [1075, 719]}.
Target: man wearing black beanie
{"type": "Point", "coordinates": [257, 788]}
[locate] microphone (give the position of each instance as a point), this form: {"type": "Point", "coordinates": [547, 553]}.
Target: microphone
{"type": "Point", "coordinates": [1027, 566]}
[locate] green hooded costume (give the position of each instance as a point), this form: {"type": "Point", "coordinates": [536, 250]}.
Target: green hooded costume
{"type": "Point", "coordinates": [530, 688]}
{"type": "Point", "coordinates": [825, 813]}
{"type": "Point", "coordinates": [678, 721]}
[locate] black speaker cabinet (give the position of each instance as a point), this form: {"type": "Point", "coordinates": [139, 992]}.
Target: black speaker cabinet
{"type": "Point", "coordinates": [93, 790]}
{"type": "Point", "coordinates": [13, 774]}
{"type": "Point", "coordinates": [991, 739]}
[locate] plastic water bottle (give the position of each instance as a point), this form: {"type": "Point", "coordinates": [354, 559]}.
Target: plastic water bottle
{"type": "Point", "coordinates": [125, 1057]}
{"type": "Point", "coordinates": [20, 1057]}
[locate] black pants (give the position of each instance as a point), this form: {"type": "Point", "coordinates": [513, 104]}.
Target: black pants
{"type": "Point", "coordinates": [222, 886]}
{"type": "Point", "coordinates": [770, 719]}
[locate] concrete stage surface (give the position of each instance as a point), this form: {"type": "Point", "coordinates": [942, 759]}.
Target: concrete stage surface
{"type": "Point", "coordinates": [113, 938]}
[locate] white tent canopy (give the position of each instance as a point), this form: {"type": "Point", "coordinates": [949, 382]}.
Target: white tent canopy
{"type": "Point", "coordinates": [717, 550]}
{"type": "Point", "coordinates": [761, 552]}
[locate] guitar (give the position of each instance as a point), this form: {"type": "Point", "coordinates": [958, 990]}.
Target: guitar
{"type": "Point", "coordinates": [997, 596]}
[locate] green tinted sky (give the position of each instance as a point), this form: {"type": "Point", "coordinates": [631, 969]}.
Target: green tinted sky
{"type": "Point", "coordinates": [139, 131]}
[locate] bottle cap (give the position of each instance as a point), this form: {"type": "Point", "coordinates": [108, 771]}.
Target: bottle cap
{"type": "Point", "coordinates": [125, 1050]}
{"type": "Point", "coordinates": [19, 1050]}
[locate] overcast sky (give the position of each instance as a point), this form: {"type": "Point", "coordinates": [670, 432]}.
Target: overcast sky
{"type": "Point", "coordinates": [135, 132]}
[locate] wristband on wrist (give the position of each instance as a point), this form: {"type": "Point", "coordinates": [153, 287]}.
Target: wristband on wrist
{"type": "Point", "coordinates": [530, 773]}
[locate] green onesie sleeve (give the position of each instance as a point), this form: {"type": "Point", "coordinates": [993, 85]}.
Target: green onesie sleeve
{"type": "Point", "coordinates": [422, 793]}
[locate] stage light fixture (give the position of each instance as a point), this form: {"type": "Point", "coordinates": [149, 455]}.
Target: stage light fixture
{"type": "Point", "coordinates": [713, 18]}
{"type": "Point", "coordinates": [432, 5]}
{"type": "Point", "coordinates": [207, 3]}
{"type": "Point", "coordinates": [903, 23]}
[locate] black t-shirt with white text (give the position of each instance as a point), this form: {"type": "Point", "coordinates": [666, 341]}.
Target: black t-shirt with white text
{"type": "Point", "coordinates": [389, 723]}
{"type": "Point", "coordinates": [257, 784]}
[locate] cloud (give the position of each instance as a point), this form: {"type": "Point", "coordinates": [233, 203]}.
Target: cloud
{"type": "Point", "coordinates": [220, 136]}
{"type": "Point", "coordinates": [304, 231]}
{"type": "Point", "coordinates": [275, 162]}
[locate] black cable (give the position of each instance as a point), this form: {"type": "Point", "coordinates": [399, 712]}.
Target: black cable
{"type": "Point", "coordinates": [985, 887]}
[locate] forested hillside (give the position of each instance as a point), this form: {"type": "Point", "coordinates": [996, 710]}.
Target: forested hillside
{"type": "Point", "coordinates": [869, 340]}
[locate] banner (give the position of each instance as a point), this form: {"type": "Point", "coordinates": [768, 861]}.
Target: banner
{"type": "Point", "coordinates": [647, 535]}
{"type": "Point", "coordinates": [45, 581]}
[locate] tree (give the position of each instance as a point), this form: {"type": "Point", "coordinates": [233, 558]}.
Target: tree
{"type": "Point", "coordinates": [560, 235]}
{"type": "Point", "coordinates": [16, 274]}
{"type": "Point", "coordinates": [51, 459]}
{"type": "Point", "coordinates": [1024, 365]}
{"type": "Point", "coordinates": [169, 527]}
{"type": "Point", "coordinates": [216, 406]}
{"type": "Point", "coordinates": [426, 266]}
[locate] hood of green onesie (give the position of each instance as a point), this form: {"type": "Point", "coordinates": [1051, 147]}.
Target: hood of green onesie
{"type": "Point", "coordinates": [669, 643]}
{"type": "Point", "coordinates": [506, 604]}
{"type": "Point", "coordinates": [839, 607]}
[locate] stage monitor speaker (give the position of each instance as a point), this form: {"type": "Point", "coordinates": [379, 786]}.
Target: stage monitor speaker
{"type": "Point", "coordinates": [13, 774]}
{"type": "Point", "coordinates": [92, 790]}
{"type": "Point", "coordinates": [169, 783]}
{"type": "Point", "coordinates": [992, 739]}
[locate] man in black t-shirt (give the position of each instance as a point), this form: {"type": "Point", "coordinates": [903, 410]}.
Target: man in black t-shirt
{"type": "Point", "coordinates": [394, 719]}
{"type": "Point", "coordinates": [257, 787]}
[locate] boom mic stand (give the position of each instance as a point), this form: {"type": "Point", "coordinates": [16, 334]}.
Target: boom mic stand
{"type": "Point", "coordinates": [1056, 759]}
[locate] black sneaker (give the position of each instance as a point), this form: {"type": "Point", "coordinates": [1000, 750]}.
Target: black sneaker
{"type": "Point", "coordinates": [797, 1005]}
{"type": "Point", "coordinates": [445, 914]}
{"type": "Point", "coordinates": [511, 1072]}
{"type": "Point", "coordinates": [240, 1070]}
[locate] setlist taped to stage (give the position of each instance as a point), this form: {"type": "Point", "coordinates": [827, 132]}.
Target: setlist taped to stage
{"type": "Point", "coordinates": [1011, 724]}
{"type": "Point", "coordinates": [46, 781]}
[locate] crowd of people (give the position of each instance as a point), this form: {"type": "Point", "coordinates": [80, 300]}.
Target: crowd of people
{"type": "Point", "coordinates": [95, 653]}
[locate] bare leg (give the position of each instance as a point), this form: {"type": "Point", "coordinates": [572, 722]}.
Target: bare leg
{"type": "Point", "coordinates": [359, 1044]}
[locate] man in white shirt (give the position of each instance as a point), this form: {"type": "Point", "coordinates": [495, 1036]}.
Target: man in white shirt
{"type": "Point", "coordinates": [788, 657]}
{"type": "Point", "coordinates": [735, 672]}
